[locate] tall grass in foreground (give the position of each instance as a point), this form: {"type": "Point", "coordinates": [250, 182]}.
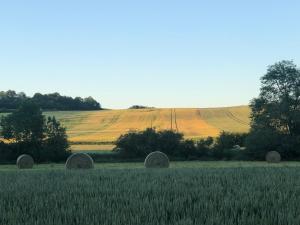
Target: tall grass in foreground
{"type": "Point", "coordinates": [226, 196]}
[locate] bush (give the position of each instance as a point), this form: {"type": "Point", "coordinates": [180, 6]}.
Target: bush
{"type": "Point", "coordinates": [204, 147]}
{"type": "Point", "coordinates": [6, 153]}
{"type": "Point", "coordinates": [139, 144]}
{"type": "Point", "coordinates": [225, 143]}
{"type": "Point", "coordinates": [259, 142]}
{"type": "Point", "coordinates": [55, 145]}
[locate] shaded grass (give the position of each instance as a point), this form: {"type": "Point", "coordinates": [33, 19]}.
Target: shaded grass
{"type": "Point", "coordinates": [173, 165]}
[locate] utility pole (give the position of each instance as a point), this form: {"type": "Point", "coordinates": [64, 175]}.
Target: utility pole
{"type": "Point", "coordinates": [175, 120]}
{"type": "Point", "coordinates": [171, 119]}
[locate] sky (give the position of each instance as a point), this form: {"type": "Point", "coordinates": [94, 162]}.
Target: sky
{"type": "Point", "coordinates": [160, 53]}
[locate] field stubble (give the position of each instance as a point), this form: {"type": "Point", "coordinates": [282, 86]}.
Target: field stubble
{"type": "Point", "coordinates": [107, 125]}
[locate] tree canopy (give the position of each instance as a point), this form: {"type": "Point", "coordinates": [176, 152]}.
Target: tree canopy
{"type": "Point", "coordinates": [24, 125]}
{"type": "Point", "coordinates": [278, 105]}
{"type": "Point", "coordinates": [29, 132]}
{"type": "Point", "coordinates": [10, 101]}
{"type": "Point", "coordinates": [276, 111]}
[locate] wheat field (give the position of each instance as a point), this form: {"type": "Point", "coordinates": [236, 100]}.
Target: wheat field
{"type": "Point", "coordinates": [189, 193]}
{"type": "Point", "coordinates": [108, 125]}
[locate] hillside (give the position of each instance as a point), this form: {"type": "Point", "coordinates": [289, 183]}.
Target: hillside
{"type": "Point", "coordinates": [108, 125]}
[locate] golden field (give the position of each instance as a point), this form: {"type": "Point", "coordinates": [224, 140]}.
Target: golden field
{"type": "Point", "coordinates": [108, 125]}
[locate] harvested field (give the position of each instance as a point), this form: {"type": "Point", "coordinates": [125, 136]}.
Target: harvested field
{"type": "Point", "coordinates": [108, 125]}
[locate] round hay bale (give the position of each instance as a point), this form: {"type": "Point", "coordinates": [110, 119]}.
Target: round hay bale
{"type": "Point", "coordinates": [273, 157]}
{"type": "Point", "coordinates": [80, 161]}
{"type": "Point", "coordinates": [157, 160]}
{"type": "Point", "coordinates": [237, 147]}
{"type": "Point", "coordinates": [25, 162]}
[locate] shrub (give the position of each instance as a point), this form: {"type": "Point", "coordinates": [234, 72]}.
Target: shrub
{"type": "Point", "coordinates": [259, 142]}
{"type": "Point", "coordinates": [224, 147]}
{"type": "Point", "coordinates": [137, 144]}
{"type": "Point", "coordinates": [227, 140]}
{"type": "Point", "coordinates": [204, 147]}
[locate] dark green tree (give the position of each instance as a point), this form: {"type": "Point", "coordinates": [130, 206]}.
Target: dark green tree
{"type": "Point", "coordinates": [27, 131]}
{"type": "Point", "coordinates": [276, 112]}
{"type": "Point", "coordinates": [138, 144]}
{"type": "Point", "coordinates": [10, 101]}
{"type": "Point", "coordinates": [204, 147]}
{"type": "Point", "coordinates": [24, 125]}
{"type": "Point", "coordinates": [56, 145]}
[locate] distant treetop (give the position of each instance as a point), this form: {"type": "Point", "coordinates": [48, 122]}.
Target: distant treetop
{"type": "Point", "coordinates": [140, 107]}
{"type": "Point", "coordinates": [10, 101]}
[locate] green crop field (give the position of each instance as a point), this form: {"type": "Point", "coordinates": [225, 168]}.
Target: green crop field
{"type": "Point", "coordinates": [208, 193]}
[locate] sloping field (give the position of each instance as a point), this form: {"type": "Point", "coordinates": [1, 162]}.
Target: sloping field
{"type": "Point", "coordinates": [108, 125]}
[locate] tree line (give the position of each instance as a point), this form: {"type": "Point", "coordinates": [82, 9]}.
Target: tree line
{"type": "Point", "coordinates": [10, 101]}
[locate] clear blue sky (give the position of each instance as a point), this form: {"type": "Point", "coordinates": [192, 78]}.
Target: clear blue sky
{"type": "Point", "coordinates": [162, 53]}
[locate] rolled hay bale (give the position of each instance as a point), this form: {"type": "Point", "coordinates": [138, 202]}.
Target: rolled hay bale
{"type": "Point", "coordinates": [25, 162]}
{"type": "Point", "coordinates": [273, 157]}
{"type": "Point", "coordinates": [157, 160]}
{"type": "Point", "coordinates": [80, 161]}
{"type": "Point", "coordinates": [237, 147]}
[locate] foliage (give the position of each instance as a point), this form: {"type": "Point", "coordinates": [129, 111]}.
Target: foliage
{"type": "Point", "coordinates": [204, 147]}
{"type": "Point", "coordinates": [223, 147]}
{"type": "Point", "coordinates": [57, 102]}
{"type": "Point", "coordinates": [140, 107]}
{"type": "Point", "coordinates": [140, 143]}
{"type": "Point", "coordinates": [5, 153]}
{"type": "Point", "coordinates": [276, 112]}
{"type": "Point", "coordinates": [205, 196]}
{"type": "Point", "coordinates": [56, 143]}
{"type": "Point", "coordinates": [227, 140]}
{"type": "Point", "coordinates": [24, 125]}
{"type": "Point", "coordinates": [224, 144]}
{"type": "Point", "coordinates": [11, 100]}
{"type": "Point", "coordinates": [28, 132]}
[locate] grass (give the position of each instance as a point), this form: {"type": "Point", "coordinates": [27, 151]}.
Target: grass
{"type": "Point", "coordinates": [108, 125]}
{"type": "Point", "coordinates": [208, 193]}
{"type": "Point", "coordinates": [173, 165]}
